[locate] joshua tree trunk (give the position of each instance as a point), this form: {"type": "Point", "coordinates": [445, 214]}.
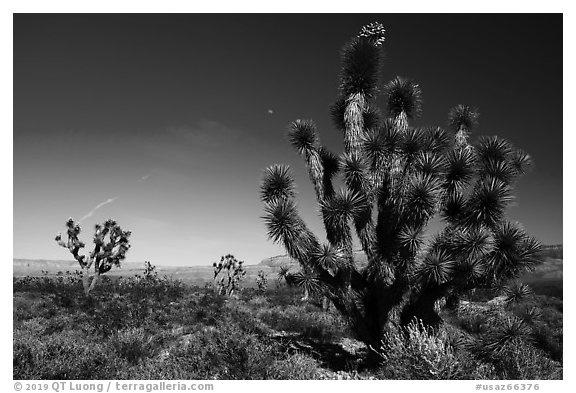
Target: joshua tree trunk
{"type": "Point", "coordinates": [88, 281]}
{"type": "Point", "coordinates": [422, 307]}
{"type": "Point", "coordinates": [453, 301]}
{"type": "Point", "coordinates": [306, 295]}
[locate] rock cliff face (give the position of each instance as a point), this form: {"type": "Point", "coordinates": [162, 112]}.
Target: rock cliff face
{"type": "Point", "coordinates": [555, 251]}
{"type": "Point", "coordinates": [285, 260]}
{"type": "Point", "coordinates": [551, 266]}
{"type": "Point", "coordinates": [277, 261]}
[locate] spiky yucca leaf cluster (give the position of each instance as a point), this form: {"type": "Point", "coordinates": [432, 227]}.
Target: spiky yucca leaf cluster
{"type": "Point", "coordinates": [282, 272]}
{"type": "Point", "coordinates": [436, 268]}
{"type": "Point", "coordinates": [302, 135]}
{"type": "Point", "coordinates": [396, 178]}
{"type": "Point", "coordinates": [360, 67]}
{"type": "Point", "coordinates": [530, 314]}
{"type": "Point", "coordinates": [403, 96]}
{"type": "Point", "coordinates": [516, 292]}
{"type": "Point", "coordinates": [463, 117]}
{"type": "Point", "coordinates": [306, 280]}
{"type": "Point", "coordinates": [511, 331]}
{"type": "Point", "coordinates": [329, 258]}
{"type": "Point", "coordinates": [278, 184]}
{"type": "Point", "coordinates": [111, 243]}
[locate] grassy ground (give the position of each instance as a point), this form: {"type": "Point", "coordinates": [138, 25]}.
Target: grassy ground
{"type": "Point", "coordinates": [163, 329]}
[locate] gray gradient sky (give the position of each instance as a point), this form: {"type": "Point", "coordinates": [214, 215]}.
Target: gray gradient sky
{"type": "Point", "coordinates": [165, 122]}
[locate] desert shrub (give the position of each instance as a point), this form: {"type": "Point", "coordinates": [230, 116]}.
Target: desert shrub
{"type": "Point", "coordinates": [58, 323]}
{"type": "Point", "coordinates": [62, 356]}
{"type": "Point", "coordinates": [417, 352]}
{"type": "Point", "coordinates": [22, 306]}
{"type": "Point", "coordinates": [549, 302]}
{"type": "Point", "coordinates": [44, 307]}
{"type": "Point", "coordinates": [551, 312]}
{"type": "Point", "coordinates": [133, 302]}
{"type": "Point", "coordinates": [113, 315]}
{"type": "Point", "coordinates": [285, 296]}
{"type": "Point", "coordinates": [295, 366]}
{"type": "Point", "coordinates": [546, 326]}
{"type": "Point", "coordinates": [41, 284]}
{"type": "Point", "coordinates": [220, 352]}
{"type": "Point", "coordinates": [244, 318]}
{"type": "Point", "coordinates": [519, 360]}
{"type": "Point", "coordinates": [63, 290]}
{"type": "Point", "coordinates": [152, 368]}
{"type": "Point", "coordinates": [178, 366]}
{"type": "Point", "coordinates": [205, 309]}
{"type": "Point", "coordinates": [164, 289]}
{"type": "Point", "coordinates": [34, 326]}
{"type": "Point", "coordinates": [302, 319]}
{"type": "Point", "coordinates": [516, 347]}
{"type": "Point", "coordinates": [132, 344]}
{"type": "Point", "coordinates": [548, 340]}
{"type": "Point", "coordinates": [470, 318]}
{"type": "Point", "coordinates": [258, 302]}
{"type": "Point", "coordinates": [197, 334]}
{"type": "Point", "coordinates": [472, 323]}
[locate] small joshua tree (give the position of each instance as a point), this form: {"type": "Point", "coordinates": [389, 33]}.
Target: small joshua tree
{"type": "Point", "coordinates": [395, 179]}
{"type": "Point", "coordinates": [261, 281]}
{"type": "Point", "coordinates": [110, 247]}
{"type": "Point", "coordinates": [150, 272]}
{"type": "Point", "coordinates": [231, 272]}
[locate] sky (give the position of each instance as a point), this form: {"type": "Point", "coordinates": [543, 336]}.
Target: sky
{"type": "Point", "coordinates": [165, 122]}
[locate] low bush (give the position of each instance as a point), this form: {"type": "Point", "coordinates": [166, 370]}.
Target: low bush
{"type": "Point", "coordinates": [310, 322]}
{"type": "Point", "coordinates": [132, 344]}
{"type": "Point", "coordinates": [416, 352]}
{"type": "Point", "coordinates": [63, 356]}
{"type": "Point", "coordinates": [519, 360]}
{"type": "Point", "coordinates": [295, 366]}
{"type": "Point", "coordinates": [218, 353]}
{"type": "Point", "coordinates": [147, 328]}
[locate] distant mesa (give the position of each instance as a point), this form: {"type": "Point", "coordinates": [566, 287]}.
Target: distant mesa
{"type": "Point", "coordinates": [285, 260]}
{"type": "Point", "coordinates": [277, 261]}
{"type": "Point", "coordinates": [555, 251]}
{"type": "Point", "coordinates": [552, 268]}
{"type": "Point", "coordinates": [192, 274]}
{"type": "Point", "coordinates": [24, 267]}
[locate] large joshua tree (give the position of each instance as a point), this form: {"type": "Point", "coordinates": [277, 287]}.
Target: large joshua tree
{"type": "Point", "coordinates": [111, 243]}
{"type": "Point", "coordinates": [395, 178]}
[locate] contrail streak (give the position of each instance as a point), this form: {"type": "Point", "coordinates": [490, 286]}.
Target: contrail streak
{"type": "Point", "coordinates": [98, 206]}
